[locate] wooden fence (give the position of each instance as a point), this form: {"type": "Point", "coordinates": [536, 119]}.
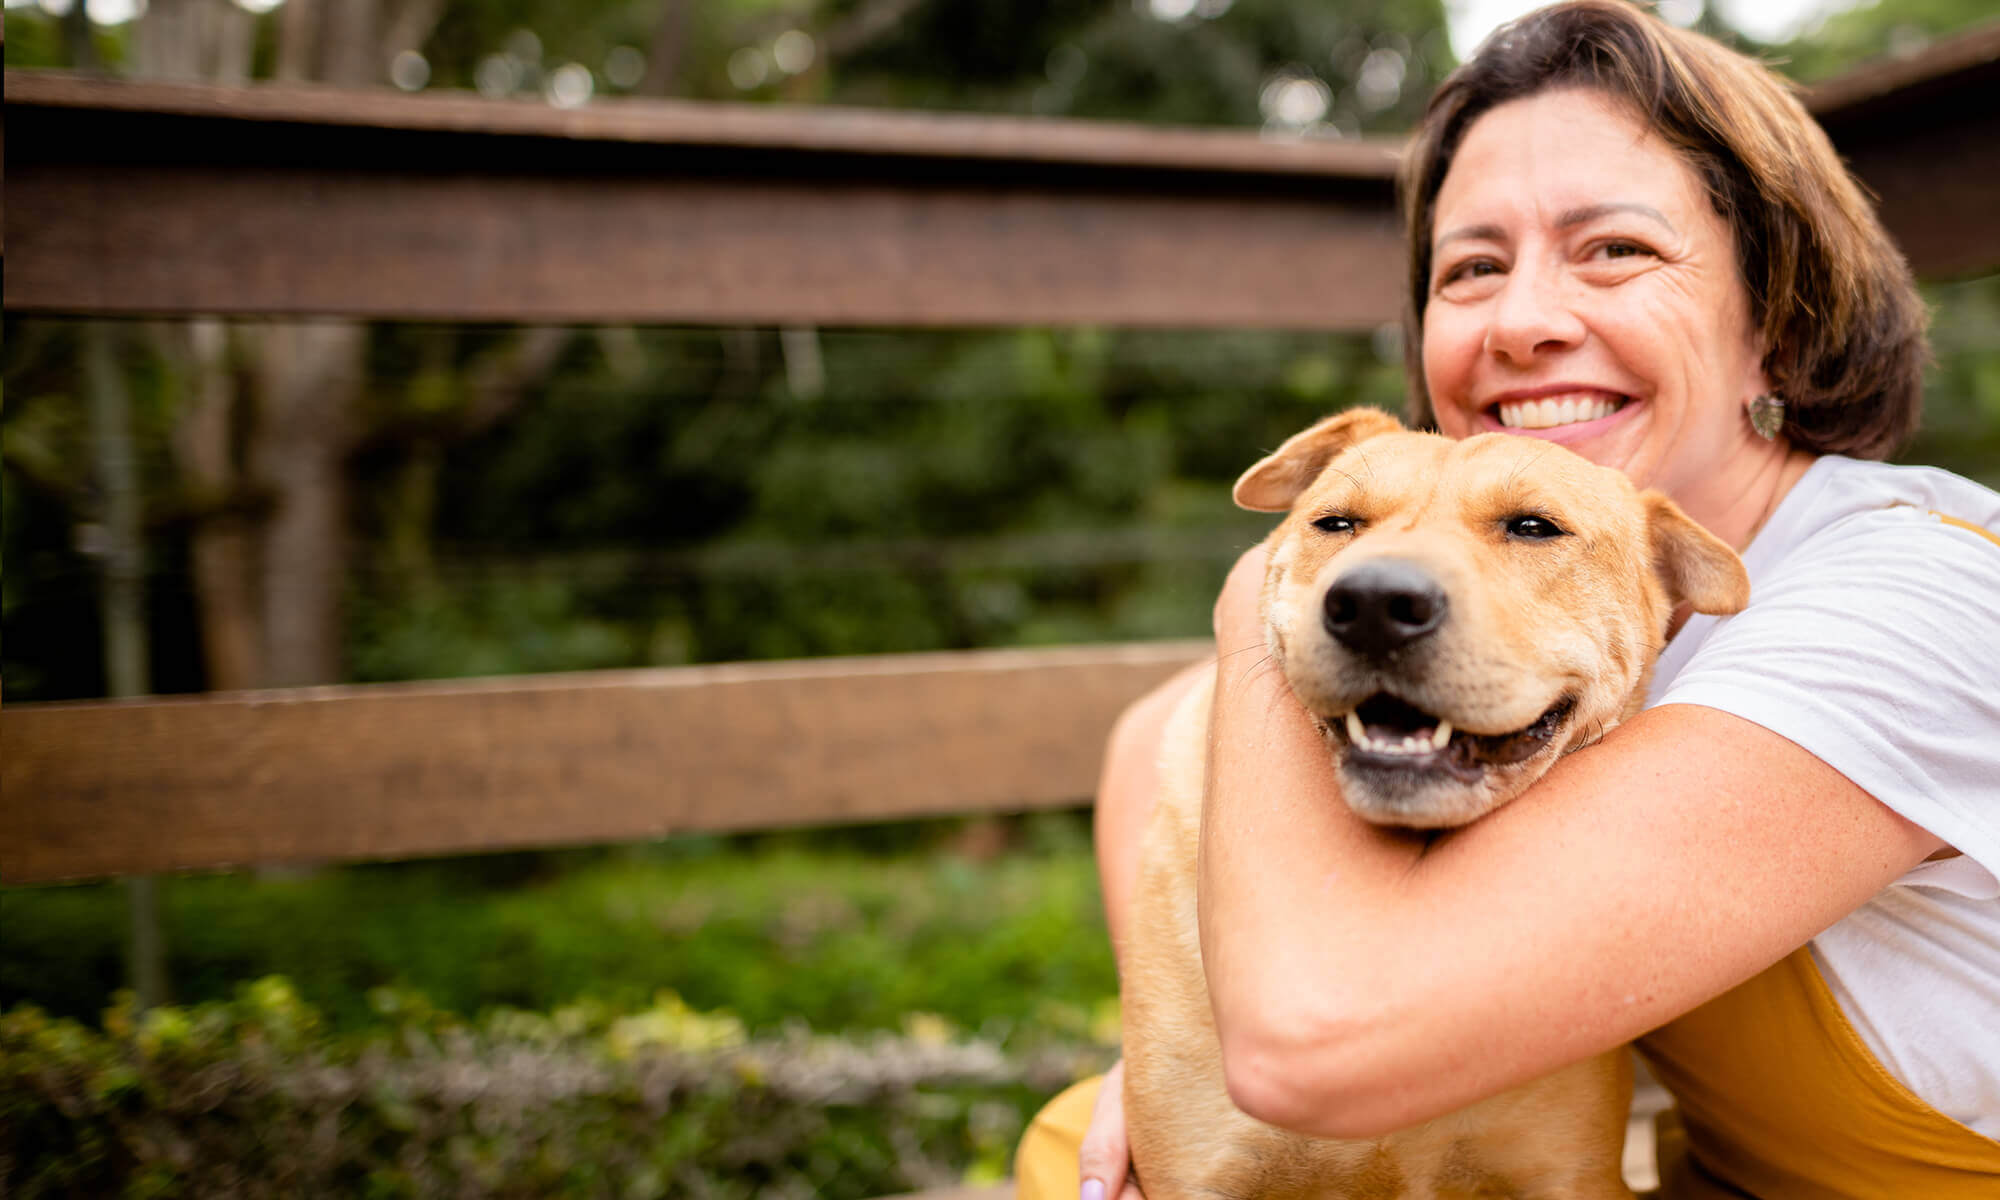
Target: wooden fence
{"type": "Point", "coordinates": [168, 199]}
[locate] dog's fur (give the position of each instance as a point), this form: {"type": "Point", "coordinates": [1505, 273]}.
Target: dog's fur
{"type": "Point", "coordinates": [1543, 639]}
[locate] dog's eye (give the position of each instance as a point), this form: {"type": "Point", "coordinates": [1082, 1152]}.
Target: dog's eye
{"type": "Point", "coordinates": [1529, 526]}
{"type": "Point", "coordinates": [1335, 523]}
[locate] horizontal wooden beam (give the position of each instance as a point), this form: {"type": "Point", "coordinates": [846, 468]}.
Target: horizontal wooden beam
{"type": "Point", "coordinates": [138, 198]}
{"type": "Point", "coordinates": [407, 770]}
{"type": "Point", "coordinates": [1923, 133]}
{"type": "Point", "coordinates": [131, 198]}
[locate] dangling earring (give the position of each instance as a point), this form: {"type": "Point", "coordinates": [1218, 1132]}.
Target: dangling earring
{"type": "Point", "coordinates": [1767, 415]}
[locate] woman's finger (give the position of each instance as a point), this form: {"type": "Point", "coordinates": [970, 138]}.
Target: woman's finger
{"type": "Point", "coordinates": [1105, 1158]}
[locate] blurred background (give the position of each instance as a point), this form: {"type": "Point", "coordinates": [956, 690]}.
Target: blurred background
{"type": "Point", "coordinates": [504, 500]}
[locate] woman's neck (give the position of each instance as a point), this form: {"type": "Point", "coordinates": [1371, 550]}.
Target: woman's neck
{"type": "Point", "coordinates": [1735, 505]}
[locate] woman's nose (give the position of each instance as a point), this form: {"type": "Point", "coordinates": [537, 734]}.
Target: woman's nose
{"type": "Point", "coordinates": [1532, 314]}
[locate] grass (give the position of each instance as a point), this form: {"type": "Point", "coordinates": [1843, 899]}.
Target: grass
{"type": "Point", "coordinates": [844, 931]}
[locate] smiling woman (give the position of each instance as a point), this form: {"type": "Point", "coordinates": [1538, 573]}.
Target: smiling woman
{"type": "Point", "coordinates": [1782, 877]}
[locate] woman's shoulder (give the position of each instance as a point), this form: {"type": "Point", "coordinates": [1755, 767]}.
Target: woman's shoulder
{"type": "Point", "coordinates": [1865, 553]}
{"type": "Point", "coordinates": [1856, 540]}
{"type": "Point", "coordinates": [1841, 501]}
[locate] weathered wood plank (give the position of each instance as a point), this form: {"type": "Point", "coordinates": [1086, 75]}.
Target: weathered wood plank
{"type": "Point", "coordinates": [821, 130]}
{"type": "Point", "coordinates": [136, 239]}
{"type": "Point", "coordinates": [399, 771]}
{"type": "Point", "coordinates": [138, 198]}
{"type": "Point", "coordinates": [154, 198]}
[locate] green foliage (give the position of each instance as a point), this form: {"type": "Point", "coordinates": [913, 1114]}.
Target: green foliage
{"type": "Point", "coordinates": [1866, 32]}
{"type": "Point", "coordinates": [678, 500]}
{"type": "Point", "coordinates": [249, 1097]}
{"type": "Point", "coordinates": [772, 929]}
{"type": "Point", "coordinates": [1119, 61]}
{"type": "Point", "coordinates": [642, 1022]}
{"type": "Point", "coordinates": [1961, 428]}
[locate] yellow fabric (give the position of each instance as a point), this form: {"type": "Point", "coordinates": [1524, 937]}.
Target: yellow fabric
{"type": "Point", "coordinates": [1779, 1098]}
{"type": "Point", "coordinates": [1045, 1167]}
{"type": "Point", "coordinates": [1981, 530]}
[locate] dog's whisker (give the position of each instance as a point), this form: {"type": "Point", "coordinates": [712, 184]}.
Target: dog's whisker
{"type": "Point", "coordinates": [1243, 650]}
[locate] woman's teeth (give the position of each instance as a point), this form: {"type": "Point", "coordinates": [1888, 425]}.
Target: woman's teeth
{"type": "Point", "coordinates": [1550, 411]}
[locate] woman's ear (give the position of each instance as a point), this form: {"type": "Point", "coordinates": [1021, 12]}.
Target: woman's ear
{"type": "Point", "coordinates": [1274, 483]}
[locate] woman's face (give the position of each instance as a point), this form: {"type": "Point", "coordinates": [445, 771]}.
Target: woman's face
{"type": "Point", "coordinates": [1584, 290]}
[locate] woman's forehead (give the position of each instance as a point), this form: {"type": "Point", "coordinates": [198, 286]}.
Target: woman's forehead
{"type": "Point", "coordinates": [1561, 158]}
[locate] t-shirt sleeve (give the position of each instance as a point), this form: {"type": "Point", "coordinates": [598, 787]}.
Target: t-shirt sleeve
{"type": "Point", "coordinates": [1875, 645]}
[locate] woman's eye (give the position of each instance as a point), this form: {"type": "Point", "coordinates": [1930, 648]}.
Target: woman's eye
{"type": "Point", "coordinates": [1478, 268]}
{"type": "Point", "coordinates": [1533, 527]}
{"type": "Point", "coordinates": [1335, 523]}
{"type": "Point", "coordinates": [1624, 250]}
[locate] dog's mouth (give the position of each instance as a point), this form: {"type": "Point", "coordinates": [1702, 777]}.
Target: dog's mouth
{"type": "Point", "coordinates": [1386, 732]}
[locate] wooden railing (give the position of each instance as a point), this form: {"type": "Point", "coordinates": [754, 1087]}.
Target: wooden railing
{"type": "Point", "coordinates": [402, 770]}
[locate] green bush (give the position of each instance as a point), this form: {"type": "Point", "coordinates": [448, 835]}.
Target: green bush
{"type": "Point", "coordinates": [252, 1097]}
{"type": "Point", "coordinates": [846, 931]}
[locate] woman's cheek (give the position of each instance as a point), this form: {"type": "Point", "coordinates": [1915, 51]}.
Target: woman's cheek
{"type": "Point", "coordinates": [1445, 371]}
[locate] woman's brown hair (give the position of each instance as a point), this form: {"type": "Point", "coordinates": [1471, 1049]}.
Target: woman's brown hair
{"type": "Point", "coordinates": [1831, 295]}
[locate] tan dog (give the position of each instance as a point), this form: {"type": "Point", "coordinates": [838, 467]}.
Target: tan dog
{"type": "Point", "coordinates": [1457, 616]}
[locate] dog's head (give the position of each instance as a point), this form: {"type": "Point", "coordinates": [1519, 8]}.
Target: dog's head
{"type": "Point", "coordinates": [1458, 615]}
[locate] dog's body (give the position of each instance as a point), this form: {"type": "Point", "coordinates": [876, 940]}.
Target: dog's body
{"type": "Point", "coordinates": [1457, 616]}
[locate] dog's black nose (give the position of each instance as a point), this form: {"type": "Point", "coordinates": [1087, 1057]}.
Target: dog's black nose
{"type": "Point", "coordinates": [1380, 607]}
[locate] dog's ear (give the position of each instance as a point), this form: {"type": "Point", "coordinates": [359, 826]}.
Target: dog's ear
{"type": "Point", "coordinates": [1698, 568]}
{"type": "Point", "coordinates": [1274, 483]}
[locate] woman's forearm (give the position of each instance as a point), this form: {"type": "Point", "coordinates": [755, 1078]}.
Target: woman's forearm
{"type": "Point", "coordinates": [1283, 865]}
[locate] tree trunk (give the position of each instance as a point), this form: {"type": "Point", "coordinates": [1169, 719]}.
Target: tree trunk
{"type": "Point", "coordinates": [221, 547]}
{"type": "Point", "coordinates": [122, 553]}
{"type": "Point", "coordinates": [306, 382]}
{"type": "Point", "coordinates": [663, 58]}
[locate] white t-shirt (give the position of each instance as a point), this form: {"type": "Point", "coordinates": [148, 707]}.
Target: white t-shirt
{"type": "Point", "coordinates": [1872, 639]}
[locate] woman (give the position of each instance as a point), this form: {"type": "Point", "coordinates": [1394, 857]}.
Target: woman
{"type": "Point", "coordinates": [1781, 876]}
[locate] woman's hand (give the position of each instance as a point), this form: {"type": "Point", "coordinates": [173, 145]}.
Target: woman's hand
{"type": "Point", "coordinates": [1105, 1157]}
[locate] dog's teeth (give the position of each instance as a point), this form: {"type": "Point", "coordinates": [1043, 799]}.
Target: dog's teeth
{"type": "Point", "coordinates": [1356, 731]}
{"type": "Point", "coordinates": [1441, 735]}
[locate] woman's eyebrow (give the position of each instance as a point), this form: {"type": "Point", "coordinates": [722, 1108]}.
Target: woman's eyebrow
{"type": "Point", "coordinates": [1567, 220]}
{"type": "Point", "coordinates": [1591, 212]}
{"type": "Point", "coordinates": [1491, 233]}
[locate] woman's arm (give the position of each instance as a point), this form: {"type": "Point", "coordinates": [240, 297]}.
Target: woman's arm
{"type": "Point", "coordinates": [1127, 788]}
{"type": "Point", "coordinates": [1126, 792]}
{"type": "Point", "coordinates": [1363, 981]}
